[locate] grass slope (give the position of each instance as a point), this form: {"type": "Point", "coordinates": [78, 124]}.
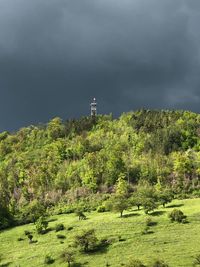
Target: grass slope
{"type": "Point", "coordinates": [175, 243]}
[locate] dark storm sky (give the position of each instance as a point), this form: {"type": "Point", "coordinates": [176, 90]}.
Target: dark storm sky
{"type": "Point", "coordinates": [55, 55]}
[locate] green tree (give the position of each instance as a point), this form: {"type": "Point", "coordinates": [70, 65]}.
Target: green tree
{"type": "Point", "coordinates": [147, 196]}
{"type": "Point", "coordinates": [122, 186]}
{"type": "Point", "coordinates": [55, 128]}
{"type": "Point", "coordinates": [87, 241]}
{"type": "Point", "coordinates": [67, 256]}
{"type": "Point", "coordinates": [41, 225]}
{"type": "Point", "coordinates": [165, 196]}
{"type": "Point", "coordinates": [117, 203]}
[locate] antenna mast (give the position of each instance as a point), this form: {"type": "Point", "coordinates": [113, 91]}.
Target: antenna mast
{"type": "Point", "coordinates": [93, 107]}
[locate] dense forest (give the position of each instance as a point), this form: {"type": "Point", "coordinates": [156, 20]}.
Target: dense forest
{"type": "Point", "coordinates": [44, 166]}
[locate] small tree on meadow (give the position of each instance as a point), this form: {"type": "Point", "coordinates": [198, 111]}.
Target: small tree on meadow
{"type": "Point", "coordinates": [164, 195]}
{"type": "Point", "coordinates": [67, 256]}
{"type": "Point", "coordinates": [117, 204]}
{"type": "Point", "coordinates": [136, 200]}
{"type": "Point", "coordinates": [149, 204]}
{"type": "Point", "coordinates": [30, 237]}
{"type": "Point", "coordinates": [80, 214]}
{"type": "Point", "coordinates": [41, 225]}
{"type": "Point", "coordinates": [87, 240]}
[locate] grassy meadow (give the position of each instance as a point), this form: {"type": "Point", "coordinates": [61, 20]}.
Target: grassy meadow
{"type": "Point", "coordinates": [177, 244]}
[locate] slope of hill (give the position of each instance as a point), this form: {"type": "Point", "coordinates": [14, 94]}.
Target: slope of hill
{"type": "Point", "coordinates": [175, 244]}
{"type": "Point", "coordinates": [64, 161]}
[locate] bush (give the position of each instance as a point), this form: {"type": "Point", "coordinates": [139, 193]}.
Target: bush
{"type": "Point", "coordinates": [68, 210]}
{"type": "Point", "coordinates": [197, 260]}
{"type": "Point", "coordinates": [81, 215]}
{"type": "Point", "coordinates": [27, 232]}
{"type": "Point", "coordinates": [134, 263]}
{"type": "Point", "coordinates": [67, 256]}
{"type": "Point", "coordinates": [101, 209]}
{"type": "Point", "coordinates": [30, 237]}
{"type": "Point", "coordinates": [159, 263]}
{"type": "Point", "coordinates": [31, 212]}
{"type": "Point", "coordinates": [177, 216]}
{"type": "Point", "coordinates": [41, 225]}
{"type": "Point", "coordinates": [70, 228]}
{"type": "Point", "coordinates": [59, 227]}
{"type": "Point", "coordinates": [20, 239]}
{"type": "Point", "coordinates": [87, 240]}
{"type": "Point", "coordinates": [48, 259]}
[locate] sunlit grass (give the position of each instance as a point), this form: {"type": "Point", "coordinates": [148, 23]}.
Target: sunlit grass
{"type": "Point", "coordinates": [175, 243]}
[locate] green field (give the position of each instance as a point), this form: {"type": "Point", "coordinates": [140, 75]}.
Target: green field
{"type": "Point", "coordinates": [177, 244]}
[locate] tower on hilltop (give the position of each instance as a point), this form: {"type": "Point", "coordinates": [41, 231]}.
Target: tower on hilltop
{"type": "Point", "coordinates": [93, 107]}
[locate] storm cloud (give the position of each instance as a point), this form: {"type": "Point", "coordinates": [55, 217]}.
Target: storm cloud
{"type": "Point", "coordinates": [56, 55]}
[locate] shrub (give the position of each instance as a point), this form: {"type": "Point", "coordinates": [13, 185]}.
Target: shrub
{"type": "Point", "coordinates": [49, 259]}
{"type": "Point", "coordinates": [59, 227]}
{"type": "Point", "coordinates": [197, 260]}
{"type": "Point", "coordinates": [27, 232]}
{"type": "Point", "coordinates": [134, 263]}
{"type": "Point", "coordinates": [177, 216]}
{"type": "Point", "coordinates": [31, 212]}
{"type": "Point", "coordinates": [41, 225]}
{"type": "Point", "coordinates": [81, 215]}
{"type": "Point", "coordinates": [30, 237]}
{"type": "Point", "coordinates": [101, 209]}
{"type": "Point", "coordinates": [159, 263]}
{"type": "Point", "coordinates": [87, 240]}
{"type": "Point", "coordinates": [20, 239]}
{"type": "Point", "coordinates": [68, 210]}
{"type": "Point", "coordinates": [67, 256]}
{"type": "Point", "coordinates": [70, 228]}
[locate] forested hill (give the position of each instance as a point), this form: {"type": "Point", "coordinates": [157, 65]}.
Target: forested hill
{"type": "Point", "coordinates": [46, 161]}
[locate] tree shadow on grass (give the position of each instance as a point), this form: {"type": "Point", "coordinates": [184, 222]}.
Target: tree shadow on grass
{"type": "Point", "coordinates": [175, 205]}
{"type": "Point", "coordinates": [46, 231]}
{"type": "Point", "coordinates": [77, 264]}
{"type": "Point", "coordinates": [152, 223]}
{"type": "Point", "coordinates": [5, 264]}
{"type": "Point", "coordinates": [158, 213]}
{"type": "Point", "coordinates": [150, 232]}
{"type": "Point", "coordinates": [130, 215]}
{"type": "Point", "coordinates": [102, 247]}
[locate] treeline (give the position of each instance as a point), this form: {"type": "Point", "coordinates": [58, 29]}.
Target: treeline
{"type": "Point", "coordinates": [67, 160]}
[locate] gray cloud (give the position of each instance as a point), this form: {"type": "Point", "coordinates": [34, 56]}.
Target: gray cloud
{"type": "Point", "coordinates": [55, 55]}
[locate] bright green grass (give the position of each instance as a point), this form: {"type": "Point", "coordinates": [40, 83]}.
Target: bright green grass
{"type": "Point", "coordinates": [175, 243]}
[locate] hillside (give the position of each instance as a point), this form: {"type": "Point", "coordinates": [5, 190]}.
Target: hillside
{"type": "Point", "coordinates": [176, 244]}
{"type": "Point", "coordinates": [45, 165]}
